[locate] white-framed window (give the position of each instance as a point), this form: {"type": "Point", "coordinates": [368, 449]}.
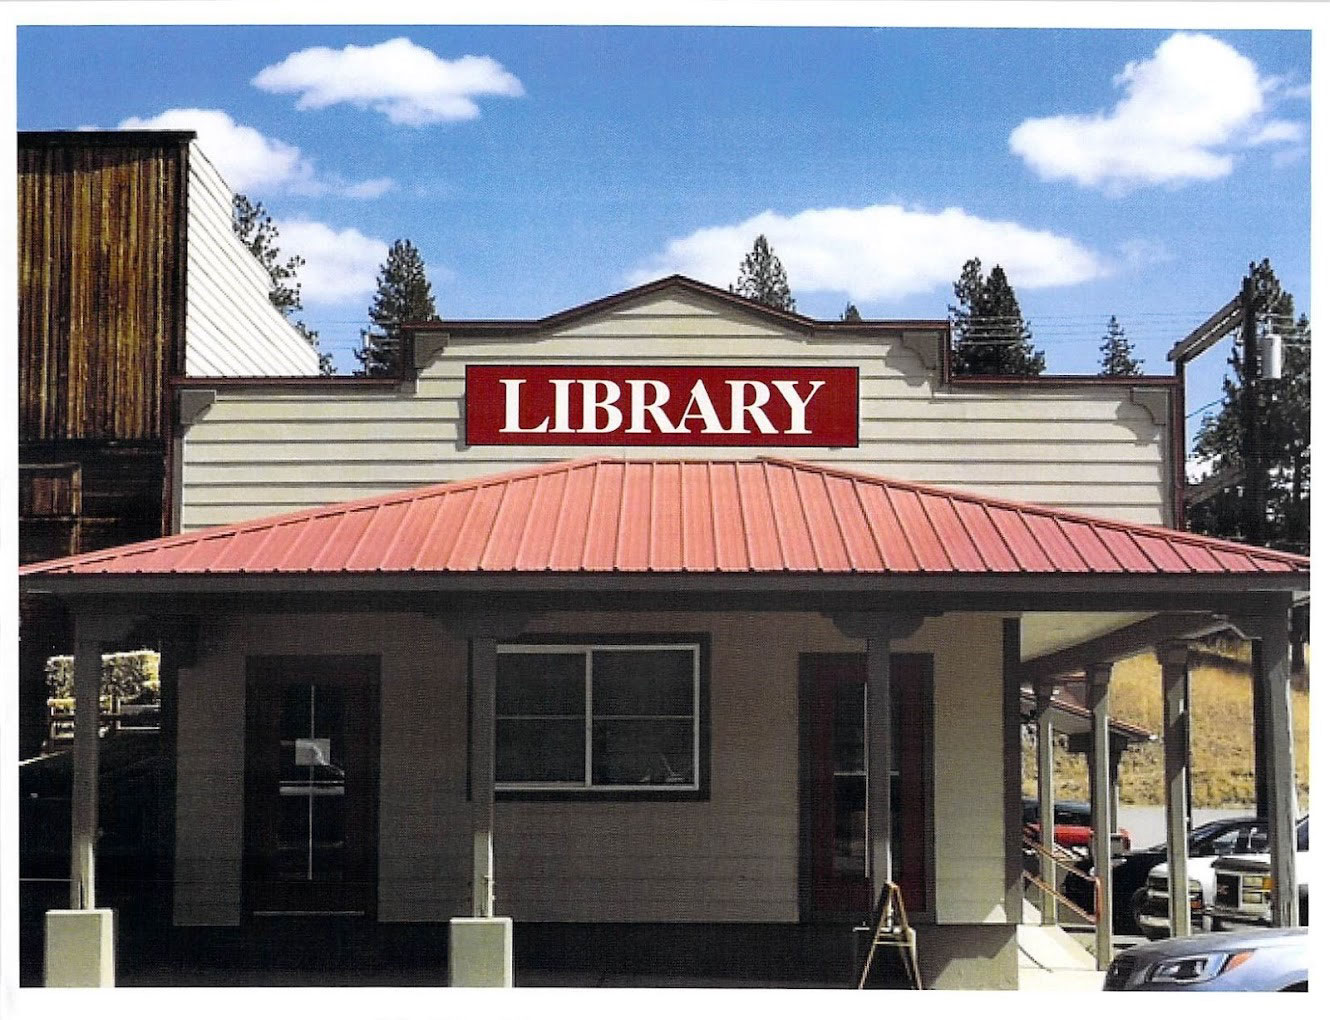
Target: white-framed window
{"type": "Point", "coordinates": [598, 717]}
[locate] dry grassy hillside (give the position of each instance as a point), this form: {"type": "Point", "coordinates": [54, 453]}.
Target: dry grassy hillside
{"type": "Point", "coordinates": [1221, 728]}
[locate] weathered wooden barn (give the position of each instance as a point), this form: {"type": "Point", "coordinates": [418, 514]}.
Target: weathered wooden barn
{"type": "Point", "coordinates": [130, 278]}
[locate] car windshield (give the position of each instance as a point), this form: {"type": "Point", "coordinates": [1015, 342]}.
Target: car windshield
{"type": "Point", "coordinates": [1202, 833]}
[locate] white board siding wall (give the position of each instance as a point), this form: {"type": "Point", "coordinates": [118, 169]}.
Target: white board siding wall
{"type": "Point", "coordinates": [231, 328]}
{"type": "Point", "coordinates": [732, 858]}
{"type": "Point", "coordinates": [262, 451]}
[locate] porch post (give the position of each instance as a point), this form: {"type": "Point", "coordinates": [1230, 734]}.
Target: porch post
{"type": "Point", "coordinates": [1044, 755]}
{"type": "Point", "coordinates": [1172, 657]}
{"type": "Point", "coordinates": [83, 792]}
{"type": "Point", "coordinates": [1097, 678]}
{"type": "Point", "coordinates": [1280, 792]}
{"type": "Point", "coordinates": [80, 941]}
{"type": "Point", "coordinates": [877, 752]}
{"type": "Point", "coordinates": [484, 665]}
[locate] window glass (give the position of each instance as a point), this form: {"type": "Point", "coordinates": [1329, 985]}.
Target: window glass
{"type": "Point", "coordinates": [637, 727]}
{"type": "Point", "coordinates": [654, 682]}
{"type": "Point", "coordinates": [541, 683]}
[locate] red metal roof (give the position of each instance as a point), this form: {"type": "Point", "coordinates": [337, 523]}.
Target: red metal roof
{"type": "Point", "coordinates": [607, 514]}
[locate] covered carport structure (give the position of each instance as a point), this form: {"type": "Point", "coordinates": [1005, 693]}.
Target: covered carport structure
{"type": "Point", "coordinates": [877, 558]}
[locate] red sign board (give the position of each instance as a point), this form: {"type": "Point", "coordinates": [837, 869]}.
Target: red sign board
{"type": "Point", "coordinates": [661, 405]}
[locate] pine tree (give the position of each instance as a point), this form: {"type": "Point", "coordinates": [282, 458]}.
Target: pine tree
{"type": "Point", "coordinates": [851, 313]}
{"type": "Point", "coordinates": [403, 295]}
{"type": "Point", "coordinates": [1284, 407]}
{"type": "Point", "coordinates": [762, 278]}
{"type": "Point", "coordinates": [1117, 352]}
{"type": "Point", "coordinates": [257, 232]}
{"type": "Point", "coordinates": [989, 334]}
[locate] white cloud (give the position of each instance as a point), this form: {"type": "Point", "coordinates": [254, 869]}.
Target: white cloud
{"type": "Point", "coordinates": [880, 252]}
{"type": "Point", "coordinates": [249, 160]}
{"type": "Point", "coordinates": [407, 83]}
{"type": "Point", "coordinates": [1183, 113]}
{"type": "Point", "coordinates": [340, 265]}
{"type": "Point", "coordinates": [1141, 252]}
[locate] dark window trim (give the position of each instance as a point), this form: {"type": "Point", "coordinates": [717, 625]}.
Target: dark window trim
{"type": "Point", "coordinates": [591, 795]}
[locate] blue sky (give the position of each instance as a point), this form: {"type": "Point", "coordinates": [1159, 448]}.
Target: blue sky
{"type": "Point", "coordinates": [1125, 172]}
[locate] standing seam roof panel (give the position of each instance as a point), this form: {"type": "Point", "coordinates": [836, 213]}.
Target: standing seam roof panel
{"type": "Point", "coordinates": [792, 528]}
{"type": "Point", "coordinates": [730, 529]}
{"type": "Point", "coordinates": [535, 546]}
{"type": "Point", "coordinates": [917, 529]}
{"type": "Point", "coordinates": [698, 539]}
{"type": "Point", "coordinates": [860, 547]}
{"type": "Point", "coordinates": [602, 520]}
{"type": "Point", "coordinates": [634, 549]}
{"type": "Point", "coordinates": [404, 546]}
{"type": "Point", "coordinates": [667, 526]}
{"type": "Point", "coordinates": [474, 534]}
{"type": "Point", "coordinates": [1022, 543]}
{"type": "Point", "coordinates": [1161, 555]}
{"type": "Point", "coordinates": [952, 532]}
{"type": "Point", "coordinates": [987, 542]}
{"type": "Point", "coordinates": [568, 543]}
{"type": "Point", "coordinates": [345, 539]}
{"type": "Point", "coordinates": [1233, 562]}
{"type": "Point", "coordinates": [1130, 556]}
{"type": "Point", "coordinates": [1197, 558]}
{"type": "Point", "coordinates": [1054, 543]}
{"type": "Point", "coordinates": [1087, 544]}
{"type": "Point", "coordinates": [377, 537]}
{"type": "Point", "coordinates": [509, 527]}
{"type": "Point", "coordinates": [824, 529]}
{"type": "Point", "coordinates": [887, 528]}
{"type": "Point", "coordinates": [759, 523]}
{"type": "Point", "coordinates": [308, 542]}
{"type": "Point", "coordinates": [445, 529]}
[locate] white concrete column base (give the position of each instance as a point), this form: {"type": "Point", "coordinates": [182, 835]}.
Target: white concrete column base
{"type": "Point", "coordinates": [80, 949]}
{"type": "Point", "coordinates": [480, 952]}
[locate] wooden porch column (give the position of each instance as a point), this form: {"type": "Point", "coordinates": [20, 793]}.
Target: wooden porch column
{"type": "Point", "coordinates": [1044, 756]}
{"type": "Point", "coordinates": [1097, 678]}
{"type": "Point", "coordinates": [1280, 792]}
{"type": "Point", "coordinates": [484, 671]}
{"type": "Point", "coordinates": [877, 630]}
{"type": "Point", "coordinates": [91, 633]}
{"type": "Point", "coordinates": [877, 752]}
{"type": "Point", "coordinates": [1172, 657]}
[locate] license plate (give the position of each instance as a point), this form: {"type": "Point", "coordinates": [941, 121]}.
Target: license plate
{"type": "Point", "coordinates": [1226, 890]}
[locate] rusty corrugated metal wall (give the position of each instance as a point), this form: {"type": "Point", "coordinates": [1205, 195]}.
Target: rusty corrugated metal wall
{"type": "Point", "coordinates": [100, 293]}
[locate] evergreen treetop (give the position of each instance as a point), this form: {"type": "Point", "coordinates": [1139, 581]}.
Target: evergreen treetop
{"type": "Point", "coordinates": [402, 294]}
{"type": "Point", "coordinates": [1117, 352]}
{"type": "Point", "coordinates": [762, 278]}
{"type": "Point", "coordinates": [989, 334]}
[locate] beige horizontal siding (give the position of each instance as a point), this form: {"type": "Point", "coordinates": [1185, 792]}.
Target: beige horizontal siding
{"type": "Point", "coordinates": [231, 328]}
{"type": "Point", "coordinates": [260, 451]}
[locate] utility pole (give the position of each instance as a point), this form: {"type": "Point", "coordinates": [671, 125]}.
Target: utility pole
{"type": "Point", "coordinates": [1253, 440]}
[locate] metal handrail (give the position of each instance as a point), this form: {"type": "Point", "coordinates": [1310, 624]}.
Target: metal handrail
{"type": "Point", "coordinates": [1061, 858]}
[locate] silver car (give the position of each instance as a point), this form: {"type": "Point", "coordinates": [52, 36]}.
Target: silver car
{"type": "Point", "coordinates": [1254, 960]}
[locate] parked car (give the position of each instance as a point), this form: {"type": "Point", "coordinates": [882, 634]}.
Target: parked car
{"type": "Point", "coordinates": [1140, 883]}
{"type": "Point", "coordinates": [1274, 960]}
{"type": "Point", "coordinates": [1243, 885]}
{"type": "Point", "coordinates": [1072, 825]}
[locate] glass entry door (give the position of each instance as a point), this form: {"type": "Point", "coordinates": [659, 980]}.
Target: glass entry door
{"type": "Point", "coordinates": [311, 786]}
{"type": "Point", "coordinates": [835, 688]}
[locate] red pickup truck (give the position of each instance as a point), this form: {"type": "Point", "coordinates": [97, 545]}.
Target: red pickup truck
{"type": "Point", "coordinates": [1071, 825]}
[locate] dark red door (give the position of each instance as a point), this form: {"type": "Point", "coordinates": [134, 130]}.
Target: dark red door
{"type": "Point", "coordinates": [835, 686]}
{"type": "Point", "coordinates": [311, 786]}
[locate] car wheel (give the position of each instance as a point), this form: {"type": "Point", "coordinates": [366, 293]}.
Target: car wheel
{"type": "Point", "coordinates": [1137, 911]}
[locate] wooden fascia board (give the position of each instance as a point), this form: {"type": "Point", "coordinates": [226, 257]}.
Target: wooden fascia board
{"type": "Point", "coordinates": [980, 591]}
